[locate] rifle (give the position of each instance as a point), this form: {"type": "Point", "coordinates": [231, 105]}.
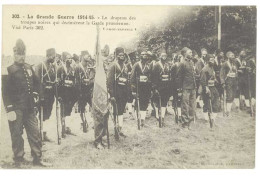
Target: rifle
{"type": "Point", "coordinates": [224, 102]}
{"type": "Point", "coordinates": [57, 104]}
{"type": "Point", "coordinates": [250, 96]}
{"type": "Point", "coordinates": [41, 108]}
{"type": "Point", "coordinates": [160, 106]}
{"type": "Point", "coordinates": [209, 112]}
{"type": "Point", "coordinates": [82, 114]}
{"type": "Point", "coordinates": [176, 110]}
{"type": "Point", "coordinates": [137, 104]}
{"type": "Point", "coordinates": [115, 109]}
{"type": "Point", "coordinates": [108, 140]}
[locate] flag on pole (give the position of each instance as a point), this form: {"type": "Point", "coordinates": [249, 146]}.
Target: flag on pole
{"type": "Point", "coordinates": [99, 100]}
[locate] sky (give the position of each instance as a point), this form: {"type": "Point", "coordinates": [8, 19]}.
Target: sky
{"type": "Point", "coordinates": [74, 38]}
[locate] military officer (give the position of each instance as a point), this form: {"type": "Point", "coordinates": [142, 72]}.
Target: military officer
{"type": "Point", "coordinates": [186, 82]}
{"type": "Point", "coordinates": [19, 92]}
{"type": "Point", "coordinates": [45, 73]}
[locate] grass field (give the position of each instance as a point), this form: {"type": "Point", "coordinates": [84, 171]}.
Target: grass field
{"type": "Point", "coordinates": [230, 144]}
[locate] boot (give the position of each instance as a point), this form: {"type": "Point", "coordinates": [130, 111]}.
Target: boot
{"type": "Point", "coordinates": [46, 138]}
{"type": "Point", "coordinates": [116, 134]}
{"type": "Point", "coordinates": [39, 162]}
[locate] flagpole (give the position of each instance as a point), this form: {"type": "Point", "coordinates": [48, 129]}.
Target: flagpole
{"type": "Point", "coordinates": [219, 27]}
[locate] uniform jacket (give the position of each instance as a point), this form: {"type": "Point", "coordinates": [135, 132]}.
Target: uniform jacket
{"type": "Point", "coordinates": [156, 77]}
{"type": "Point", "coordinates": [137, 71]}
{"type": "Point", "coordinates": [207, 74]}
{"type": "Point", "coordinates": [186, 74]}
{"type": "Point", "coordinates": [226, 68]}
{"type": "Point", "coordinates": [20, 85]}
{"type": "Point", "coordinates": [115, 72]}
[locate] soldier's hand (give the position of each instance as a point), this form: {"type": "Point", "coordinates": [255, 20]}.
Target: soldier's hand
{"type": "Point", "coordinates": [11, 116]}
{"type": "Point", "coordinates": [113, 100]}
{"type": "Point", "coordinates": [207, 91]}
{"type": "Point", "coordinates": [134, 94]}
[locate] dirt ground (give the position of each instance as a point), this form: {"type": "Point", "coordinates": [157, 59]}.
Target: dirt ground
{"type": "Point", "coordinates": [230, 144]}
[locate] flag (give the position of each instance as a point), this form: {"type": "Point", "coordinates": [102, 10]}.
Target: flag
{"type": "Point", "coordinates": [100, 98]}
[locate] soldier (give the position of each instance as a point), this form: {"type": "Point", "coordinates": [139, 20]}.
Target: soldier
{"type": "Point", "coordinates": [161, 85]}
{"type": "Point", "coordinates": [210, 93]}
{"type": "Point", "coordinates": [186, 79]}
{"type": "Point", "coordinates": [117, 88]}
{"type": "Point", "coordinates": [198, 67]}
{"type": "Point", "coordinates": [85, 75]}
{"type": "Point", "coordinates": [45, 73]}
{"type": "Point", "coordinates": [141, 83]}
{"type": "Point", "coordinates": [219, 59]}
{"type": "Point", "coordinates": [228, 78]}
{"type": "Point", "coordinates": [67, 89]}
{"type": "Point", "coordinates": [242, 93]}
{"type": "Point", "coordinates": [176, 91]}
{"type": "Point", "coordinates": [19, 92]}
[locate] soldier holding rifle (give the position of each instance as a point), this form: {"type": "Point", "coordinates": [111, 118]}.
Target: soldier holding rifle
{"type": "Point", "coordinates": [85, 74]}
{"type": "Point", "coordinates": [117, 88]}
{"type": "Point", "coordinates": [45, 73]}
{"type": "Point", "coordinates": [160, 78]}
{"type": "Point", "coordinates": [141, 85]}
{"type": "Point", "coordinates": [210, 94]}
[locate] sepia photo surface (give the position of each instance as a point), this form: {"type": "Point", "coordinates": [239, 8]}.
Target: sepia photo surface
{"type": "Point", "coordinates": [128, 87]}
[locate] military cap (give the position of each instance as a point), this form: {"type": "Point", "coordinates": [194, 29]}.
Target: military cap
{"type": "Point", "coordinates": [64, 55]}
{"type": "Point", "coordinates": [75, 57]}
{"type": "Point", "coordinates": [50, 52]}
{"type": "Point", "coordinates": [83, 53]}
{"type": "Point", "coordinates": [119, 50]}
{"type": "Point", "coordinates": [20, 47]}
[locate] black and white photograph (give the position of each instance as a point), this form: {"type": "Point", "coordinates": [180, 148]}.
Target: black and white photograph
{"type": "Point", "coordinates": [128, 87]}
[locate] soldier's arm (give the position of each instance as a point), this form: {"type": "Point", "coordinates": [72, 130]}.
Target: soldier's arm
{"type": "Point", "coordinates": [223, 73]}
{"type": "Point", "coordinates": [155, 77]}
{"type": "Point", "coordinates": [203, 79]}
{"type": "Point", "coordinates": [92, 76]}
{"type": "Point", "coordinates": [133, 78]}
{"type": "Point", "coordinates": [7, 92]}
{"type": "Point", "coordinates": [111, 80]}
{"type": "Point", "coordinates": [180, 75]}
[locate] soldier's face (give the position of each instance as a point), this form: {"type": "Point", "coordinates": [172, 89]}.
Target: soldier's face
{"type": "Point", "coordinates": [87, 58]}
{"type": "Point", "coordinates": [204, 53]}
{"type": "Point", "coordinates": [231, 56]}
{"type": "Point", "coordinates": [19, 58]}
{"type": "Point", "coordinates": [144, 56]}
{"type": "Point", "coordinates": [243, 54]}
{"type": "Point", "coordinates": [163, 56]}
{"type": "Point", "coordinates": [189, 54]}
{"type": "Point", "coordinates": [51, 58]}
{"type": "Point", "coordinates": [121, 56]}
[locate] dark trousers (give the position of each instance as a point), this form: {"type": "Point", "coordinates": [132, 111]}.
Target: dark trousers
{"type": "Point", "coordinates": [188, 105]}
{"type": "Point", "coordinates": [48, 103]}
{"type": "Point", "coordinates": [215, 100]}
{"type": "Point", "coordinates": [231, 89]}
{"type": "Point", "coordinates": [25, 119]}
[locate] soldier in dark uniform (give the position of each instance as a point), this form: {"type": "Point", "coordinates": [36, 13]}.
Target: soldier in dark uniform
{"type": "Point", "coordinates": [161, 84]}
{"type": "Point", "coordinates": [243, 93]}
{"type": "Point", "coordinates": [45, 73]}
{"type": "Point", "coordinates": [67, 89]}
{"type": "Point", "coordinates": [117, 87]}
{"type": "Point", "coordinates": [176, 92]}
{"type": "Point", "coordinates": [198, 67]}
{"type": "Point", "coordinates": [19, 96]}
{"type": "Point", "coordinates": [219, 59]}
{"type": "Point", "coordinates": [210, 93]}
{"type": "Point", "coordinates": [228, 78]}
{"type": "Point", "coordinates": [85, 75]}
{"type": "Point", "coordinates": [141, 82]}
{"type": "Point", "coordinates": [186, 79]}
